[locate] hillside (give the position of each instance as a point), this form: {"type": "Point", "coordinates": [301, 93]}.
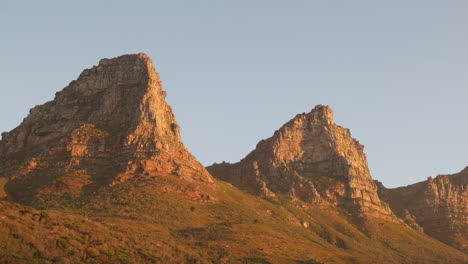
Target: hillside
{"type": "Point", "coordinates": [137, 223]}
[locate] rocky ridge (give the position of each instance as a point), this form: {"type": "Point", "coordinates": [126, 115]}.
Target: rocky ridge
{"type": "Point", "coordinates": [109, 125]}
{"type": "Point", "coordinates": [312, 159]}
{"type": "Point", "coordinates": [437, 206]}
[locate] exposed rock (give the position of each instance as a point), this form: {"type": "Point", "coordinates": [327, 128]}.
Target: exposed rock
{"type": "Point", "coordinates": [439, 206]}
{"type": "Point", "coordinates": [312, 159]}
{"type": "Point", "coordinates": [109, 125]}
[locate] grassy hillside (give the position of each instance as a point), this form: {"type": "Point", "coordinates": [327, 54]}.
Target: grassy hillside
{"type": "Point", "coordinates": [159, 220]}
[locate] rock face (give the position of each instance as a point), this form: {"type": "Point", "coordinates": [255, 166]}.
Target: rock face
{"type": "Point", "coordinates": [439, 206]}
{"type": "Point", "coordinates": [312, 159]}
{"type": "Point", "coordinates": [108, 126]}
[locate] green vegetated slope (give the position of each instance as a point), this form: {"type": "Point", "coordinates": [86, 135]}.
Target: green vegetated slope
{"type": "Point", "coordinates": [142, 221]}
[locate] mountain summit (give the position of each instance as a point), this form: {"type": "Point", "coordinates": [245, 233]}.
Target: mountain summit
{"type": "Point", "coordinates": [109, 125]}
{"type": "Point", "coordinates": [312, 159]}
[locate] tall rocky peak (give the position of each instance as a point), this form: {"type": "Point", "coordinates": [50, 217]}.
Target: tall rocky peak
{"type": "Point", "coordinates": [438, 205]}
{"type": "Point", "coordinates": [123, 94]}
{"type": "Point", "coordinates": [109, 125]}
{"type": "Point", "coordinates": [312, 159]}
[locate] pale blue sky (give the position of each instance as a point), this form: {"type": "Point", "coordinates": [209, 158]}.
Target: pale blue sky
{"type": "Point", "coordinates": [395, 72]}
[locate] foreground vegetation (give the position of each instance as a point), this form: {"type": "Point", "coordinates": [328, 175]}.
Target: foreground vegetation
{"type": "Point", "coordinates": [142, 221]}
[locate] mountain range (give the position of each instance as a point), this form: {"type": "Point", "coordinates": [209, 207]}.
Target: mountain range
{"type": "Point", "coordinates": [100, 175]}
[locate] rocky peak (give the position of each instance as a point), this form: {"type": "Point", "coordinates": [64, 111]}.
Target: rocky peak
{"type": "Point", "coordinates": [123, 93]}
{"type": "Point", "coordinates": [312, 159]}
{"type": "Point", "coordinates": [321, 115]}
{"type": "Point", "coordinates": [113, 120]}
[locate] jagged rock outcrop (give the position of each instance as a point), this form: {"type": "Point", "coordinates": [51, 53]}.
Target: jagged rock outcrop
{"type": "Point", "coordinates": [312, 159]}
{"type": "Point", "coordinates": [109, 125]}
{"type": "Point", "coordinates": [438, 205]}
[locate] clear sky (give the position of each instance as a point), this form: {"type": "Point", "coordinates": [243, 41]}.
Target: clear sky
{"type": "Point", "coordinates": [395, 72]}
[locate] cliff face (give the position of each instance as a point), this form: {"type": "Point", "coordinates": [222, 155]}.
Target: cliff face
{"type": "Point", "coordinates": [108, 126]}
{"type": "Point", "coordinates": [439, 206]}
{"type": "Point", "coordinates": [312, 159]}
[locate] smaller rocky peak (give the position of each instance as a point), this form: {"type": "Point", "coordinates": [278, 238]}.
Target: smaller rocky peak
{"type": "Point", "coordinates": [127, 58]}
{"type": "Point", "coordinates": [312, 159]}
{"type": "Point", "coordinates": [321, 115]}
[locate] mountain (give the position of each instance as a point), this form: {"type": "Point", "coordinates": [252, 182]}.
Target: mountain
{"type": "Point", "coordinates": [108, 126]}
{"type": "Point", "coordinates": [439, 206]}
{"type": "Point", "coordinates": [312, 159]}
{"type": "Point", "coordinates": [100, 175]}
